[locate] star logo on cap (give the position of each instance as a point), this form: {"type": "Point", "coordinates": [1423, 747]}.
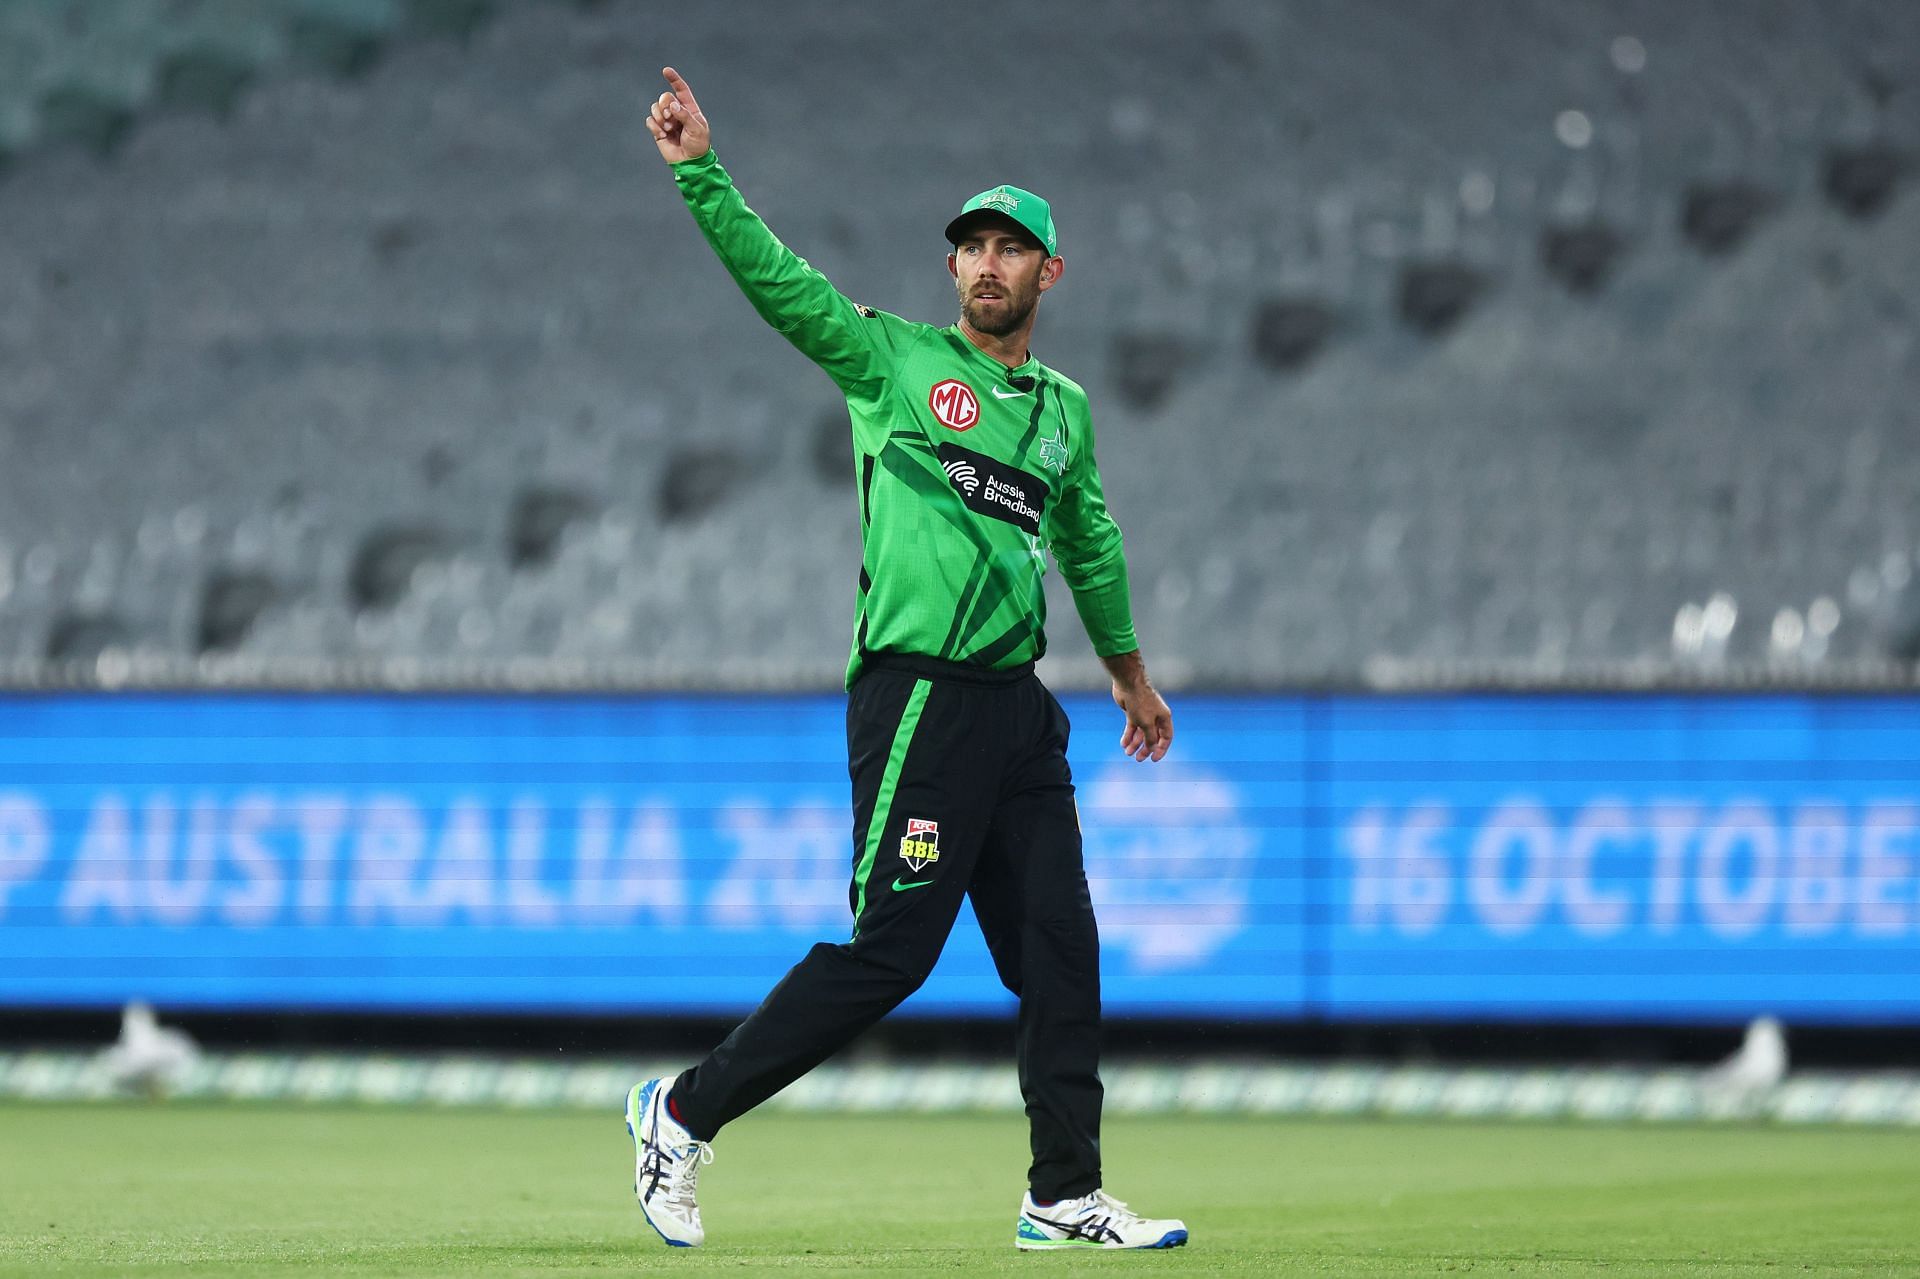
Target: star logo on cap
{"type": "Point", "coordinates": [1002, 201]}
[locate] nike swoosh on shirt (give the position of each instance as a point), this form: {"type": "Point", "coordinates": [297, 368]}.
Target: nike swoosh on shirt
{"type": "Point", "coordinates": [899, 887]}
{"type": "Point", "coordinates": [999, 394]}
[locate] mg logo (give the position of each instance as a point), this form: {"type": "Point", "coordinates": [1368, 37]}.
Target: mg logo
{"type": "Point", "coordinates": [954, 403]}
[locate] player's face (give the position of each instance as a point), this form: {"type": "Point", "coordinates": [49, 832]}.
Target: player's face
{"type": "Point", "coordinates": [999, 277]}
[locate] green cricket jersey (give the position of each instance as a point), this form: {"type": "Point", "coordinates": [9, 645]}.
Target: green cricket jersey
{"type": "Point", "coordinates": [967, 468]}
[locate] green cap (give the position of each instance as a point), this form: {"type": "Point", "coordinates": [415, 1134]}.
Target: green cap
{"type": "Point", "coordinates": [1024, 207]}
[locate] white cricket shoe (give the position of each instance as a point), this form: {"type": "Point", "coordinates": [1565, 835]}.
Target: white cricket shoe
{"type": "Point", "coordinates": [1097, 1220]}
{"type": "Point", "coordinates": [666, 1163]}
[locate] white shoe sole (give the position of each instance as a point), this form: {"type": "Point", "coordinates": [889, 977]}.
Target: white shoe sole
{"type": "Point", "coordinates": [1172, 1239]}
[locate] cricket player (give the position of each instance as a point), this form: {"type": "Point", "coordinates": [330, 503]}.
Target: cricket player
{"type": "Point", "coordinates": [973, 459]}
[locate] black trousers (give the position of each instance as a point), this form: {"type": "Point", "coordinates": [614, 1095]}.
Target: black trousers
{"type": "Point", "coordinates": [960, 789]}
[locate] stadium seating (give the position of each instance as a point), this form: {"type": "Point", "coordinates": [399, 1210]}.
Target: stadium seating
{"type": "Point", "coordinates": [83, 71]}
{"type": "Point", "coordinates": [1452, 339]}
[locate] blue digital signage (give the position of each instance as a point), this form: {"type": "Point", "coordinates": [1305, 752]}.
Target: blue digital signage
{"type": "Point", "coordinates": [1619, 858]}
{"type": "Point", "coordinates": [1623, 858]}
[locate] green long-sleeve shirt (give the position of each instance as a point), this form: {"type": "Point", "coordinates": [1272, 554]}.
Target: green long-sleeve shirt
{"type": "Point", "coordinates": [966, 468]}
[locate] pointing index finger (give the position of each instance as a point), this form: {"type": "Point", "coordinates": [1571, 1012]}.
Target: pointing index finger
{"type": "Point", "coordinates": [681, 89]}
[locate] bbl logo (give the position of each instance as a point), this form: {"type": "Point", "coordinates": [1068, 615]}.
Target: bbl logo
{"type": "Point", "coordinates": [920, 846]}
{"type": "Point", "coordinates": [955, 404]}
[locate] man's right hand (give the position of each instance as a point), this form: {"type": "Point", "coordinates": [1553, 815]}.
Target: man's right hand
{"type": "Point", "coordinates": [677, 126]}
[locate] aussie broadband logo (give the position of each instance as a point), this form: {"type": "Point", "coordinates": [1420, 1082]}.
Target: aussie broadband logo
{"type": "Point", "coordinates": [964, 476]}
{"type": "Point", "coordinates": [954, 404]}
{"type": "Point", "coordinates": [995, 489]}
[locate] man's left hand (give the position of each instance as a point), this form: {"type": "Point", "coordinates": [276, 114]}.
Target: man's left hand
{"type": "Point", "coordinates": [1149, 730]}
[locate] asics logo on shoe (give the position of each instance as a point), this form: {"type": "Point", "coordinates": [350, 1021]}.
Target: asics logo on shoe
{"type": "Point", "coordinates": [1091, 1229]}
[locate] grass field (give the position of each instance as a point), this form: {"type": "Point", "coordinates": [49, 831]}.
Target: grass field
{"type": "Point", "coordinates": [231, 1190]}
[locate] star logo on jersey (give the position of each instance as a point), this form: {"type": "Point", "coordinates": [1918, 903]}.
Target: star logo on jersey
{"type": "Point", "coordinates": [1053, 455]}
{"type": "Point", "coordinates": [954, 404]}
{"type": "Point", "coordinates": [920, 846]}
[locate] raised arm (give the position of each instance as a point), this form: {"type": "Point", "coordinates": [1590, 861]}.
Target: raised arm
{"type": "Point", "coordinates": [855, 345]}
{"type": "Point", "coordinates": [678, 126]}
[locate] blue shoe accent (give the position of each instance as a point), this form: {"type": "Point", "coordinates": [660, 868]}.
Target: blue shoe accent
{"type": "Point", "coordinates": [637, 1101]}
{"type": "Point", "coordinates": [1172, 1239]}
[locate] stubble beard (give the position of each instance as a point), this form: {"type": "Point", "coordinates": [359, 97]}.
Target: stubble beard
{"type": "Point", "coordinates": [1011, 314]}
